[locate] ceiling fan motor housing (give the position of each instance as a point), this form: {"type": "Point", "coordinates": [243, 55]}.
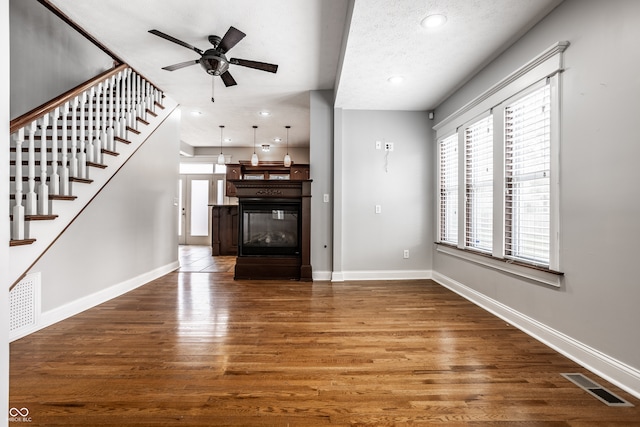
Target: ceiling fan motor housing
{"type": "Point", "coordinates": [214, 62]}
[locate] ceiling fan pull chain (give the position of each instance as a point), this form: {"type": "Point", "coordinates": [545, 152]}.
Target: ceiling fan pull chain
{"type": "Point", "coordinates": [213, 85]}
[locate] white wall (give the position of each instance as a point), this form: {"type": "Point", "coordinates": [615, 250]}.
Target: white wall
{"type": "Point", "coordinates": [596, 306]}
{"type": "Point", "coordinates": [4, 222]}
{"type": "Point", "coordinates": [401, 182]}
{"type": "Point", "coordinates": [125, 237]}
{"type": "Point", "coordinates": [42, 49]}
{"type": "Point", "coordinates": [321, 171]}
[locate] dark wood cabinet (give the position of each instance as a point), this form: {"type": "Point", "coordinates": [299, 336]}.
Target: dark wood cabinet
{"type": "Point", "coordinates": [299, 172]}
{"type": "Point", "coordinates": [224, 230]}
{"type": "Point", "coordinates": [234, 171]}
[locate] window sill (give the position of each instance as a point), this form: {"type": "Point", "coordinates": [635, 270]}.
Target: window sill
{"type": "Point", "coordinates": [519, 269]}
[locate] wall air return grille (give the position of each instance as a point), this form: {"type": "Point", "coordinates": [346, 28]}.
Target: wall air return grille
{"type": "Point", "coordinates": [24, 306]}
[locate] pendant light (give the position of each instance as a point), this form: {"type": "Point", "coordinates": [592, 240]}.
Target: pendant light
{"type": "Point", "coordinates": [287, 157]}
{"type": "Point", "coordinates": [254, 157]}
{"type": "Point", "coordinates": [221, 156]}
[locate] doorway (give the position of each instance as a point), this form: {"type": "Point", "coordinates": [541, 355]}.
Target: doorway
{"type": "Point", "coordinates": [196, 194]}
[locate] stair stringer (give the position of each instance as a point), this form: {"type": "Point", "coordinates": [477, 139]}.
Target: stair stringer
{"type": "Point", "coordinates": [21, 258]}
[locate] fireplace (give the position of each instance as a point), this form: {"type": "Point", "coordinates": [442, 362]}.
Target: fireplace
{"type": "Point", "coordinates": [274, 229]}
{"type": "Point", "coordinates": [270, 227]}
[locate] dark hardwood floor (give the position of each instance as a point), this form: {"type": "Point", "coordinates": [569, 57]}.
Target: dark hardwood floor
{"type": "Point", "coordinates": [198, 348]}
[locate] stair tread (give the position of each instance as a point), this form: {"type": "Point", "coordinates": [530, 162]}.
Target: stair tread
{"type": "Point", "coordinates": [22, 242]}
{"type": "Point", "coordinates": [37, 217]}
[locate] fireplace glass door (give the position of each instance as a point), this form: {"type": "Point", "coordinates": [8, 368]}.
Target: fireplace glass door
{"type": "Point", "coordinates": [270, 229]}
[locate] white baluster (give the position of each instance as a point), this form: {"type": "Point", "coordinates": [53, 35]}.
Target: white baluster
{"type": "Point", "coordinates": [104, 116]}
{"type": "Point", "coordinates": [73, 161]}
{"type": "Point", "coordinates": [91, 155]}
{"type": "Point", "coordinates": [123, 107]}
{"type": "Point", "coordinates": [54, 179]}
{"type": "Point", "coordinates": [126, 97]}
{"type": "Point", "coordinates": [118, 107]}
{"type": "Point", "coordinates": [131, 109]}
{"type": "Point", "coordinates": [110, 113]}
{"type": "Point", "coordinates": [82, 155]}
{"type": "Point", "coordinates": [64, 167]}
{"type": "Point", "coordinates": [32, 199]}
{"type": "Point", "coordinates": [17, 226]}
{"type": "Point", "coordinates": [43, 188]}
{"type": "Point", "coordinates": [97, 142]}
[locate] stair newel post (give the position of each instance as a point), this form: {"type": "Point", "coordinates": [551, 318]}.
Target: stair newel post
{"type": "Point", "coordinates": [17, 226]}
{"type": "Point", "coordinates": [82, 155]}
{"type": "Point", "coordinates": [54, 179]}
{"type": "Point", "coordinates": [31, 198]}
{"type": "Point", "coordinates": [91, 155]}
{"type": "Point", "coordinates": [98, 142]}
{"type": "Point", "coordinates": [43, 188]}
{"type": "Point", "coordinates": [64, 167]}
{"type": "Point", "coordinates": [73, 161]}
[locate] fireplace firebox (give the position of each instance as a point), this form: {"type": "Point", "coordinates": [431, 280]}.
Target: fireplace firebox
{"type": "Point", "coordinates": [274, 229]}
{"type": "Point", "coordinates": [270, 227]}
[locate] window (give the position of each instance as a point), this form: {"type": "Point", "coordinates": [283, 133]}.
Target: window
{"type": "Point", "coordinates": [510, 137]}
{"type": "Point", "coordinates": [527, 124]}
{"type": "Point", "coordinates": [479, 185]}
{"type": "Point", "coordinates": [449, 189]}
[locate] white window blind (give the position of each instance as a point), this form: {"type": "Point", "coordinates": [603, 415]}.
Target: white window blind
{"type": "Point", "coordinates": [449, 189]}
{"type": "Point", "coordinates": [527, 177]}
{"type": "Point", "coordinates": [479, 185]}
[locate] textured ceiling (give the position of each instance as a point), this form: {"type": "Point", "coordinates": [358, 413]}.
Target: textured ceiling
{"type": "Point", "coordinates": [305, 38]}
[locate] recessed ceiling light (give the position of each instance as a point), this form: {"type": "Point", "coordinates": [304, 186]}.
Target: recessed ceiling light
{"type": "Point", "coordinates": [433, 21]}
{"type": "Point", "coordinates": [395, 79]}
{"type": "Point", "coordinates": [227, 140]}
{"type": "Point", "coordinates": [277, 139]}
{"type": "Point", "coordinates": [264, 113]}
{"type": "Point", "coordinates": [196, 113]}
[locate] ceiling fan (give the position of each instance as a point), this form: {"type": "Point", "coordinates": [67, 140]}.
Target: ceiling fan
{"type": "Point", "coordinates": [213, 60]}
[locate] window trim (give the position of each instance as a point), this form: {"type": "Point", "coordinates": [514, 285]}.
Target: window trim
{"type": "Point", "coordinates": [544, 68]}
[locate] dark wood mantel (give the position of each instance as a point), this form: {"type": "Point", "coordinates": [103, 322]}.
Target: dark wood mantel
{"type": "Point", "coordinates": [277, 267]}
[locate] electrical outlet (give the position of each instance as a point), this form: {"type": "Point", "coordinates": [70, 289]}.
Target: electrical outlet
{"type": "Point", "coordinates": [388, 146]}
{"type": "Point", "coordinates": [325, 198]}
{"type": "Point", "coordinates": [378, 209]}
{"type": "Point", "coordinates": [406, 254]}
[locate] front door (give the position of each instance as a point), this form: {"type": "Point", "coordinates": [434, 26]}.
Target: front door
{"type": "Point", "coordinates": [197, 193]}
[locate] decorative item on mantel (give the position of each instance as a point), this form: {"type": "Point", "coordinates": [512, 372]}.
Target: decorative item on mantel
{"type": "Point", "coordinates": [221, 156]}
{"type": "Point", "coordinates": [254, 156]}
{"type": "Point", "coordinates": [287, 157]}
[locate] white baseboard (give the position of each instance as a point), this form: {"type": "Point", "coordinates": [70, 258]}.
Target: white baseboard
{"type": "Point", "coordinates": [321, 275]}
{"type": "Point", "coordinates": [381, 275]}
{"type": "Point", "coordinates": [612, 370]}
{"type": "Point", "coordinates": [72, 308]}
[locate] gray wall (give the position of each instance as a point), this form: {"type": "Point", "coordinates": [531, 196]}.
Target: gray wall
{"type": "Point", "coordinates": [4, 222]}
{"type": "Point", "coordinates": [597, 303]}
{"type": "Point", "coordinates": [401, 182]}
{"type": "Point", "coordinates": [47, 57]}
{"type": "Point", "coordinates": [128, 230]}
{"type": "Point", "coordinates": [321, 171]}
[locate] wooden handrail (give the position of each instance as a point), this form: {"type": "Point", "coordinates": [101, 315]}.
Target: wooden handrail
{"type": "Point", "coordinates": [49, 106]}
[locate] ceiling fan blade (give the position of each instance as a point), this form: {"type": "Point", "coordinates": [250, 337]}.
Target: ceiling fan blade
{"type": "Point", "coordinates": [181, 65]}
{"type": "Point", "coordinates": [228, 79]}
{"type": "Point", "coordinates": [272, 68]}
{"type": "Point", "coordinates": [175, 40]}
{"type": "Point", "coordinates": [230, 39]}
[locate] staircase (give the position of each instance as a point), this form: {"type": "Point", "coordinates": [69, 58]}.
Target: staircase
{"type": "Point", "coordinates": [64, 152]}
